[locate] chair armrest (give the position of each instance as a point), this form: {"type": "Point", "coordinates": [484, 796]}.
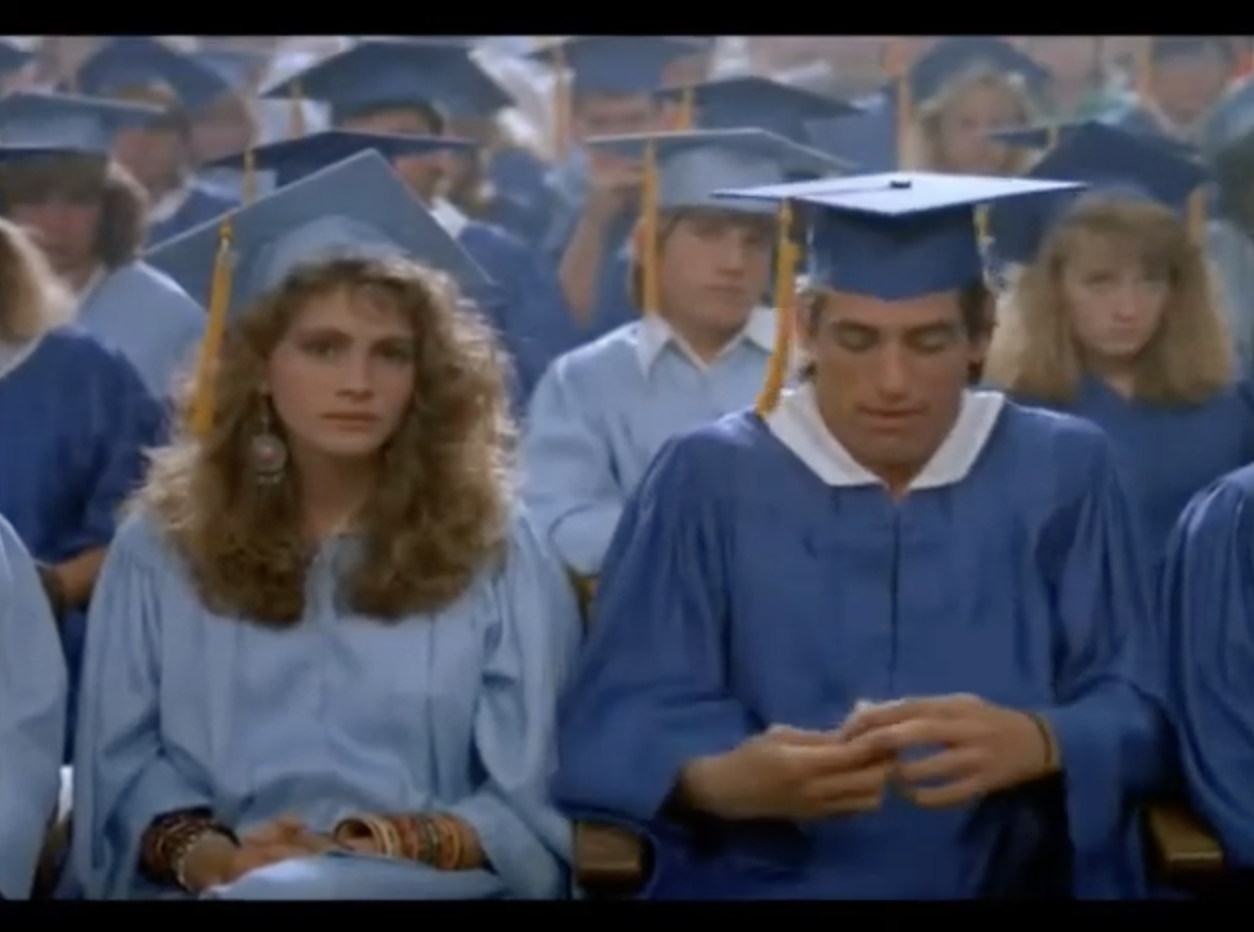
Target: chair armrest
{"type": "Point", "coordinates": [1182, 843]}
{"type": "Point", "coordinates": [609, 859]}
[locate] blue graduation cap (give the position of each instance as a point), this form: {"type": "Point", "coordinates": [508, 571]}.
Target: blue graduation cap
{"type": "Point", "coordinates": [1164, 48]}
{"type": "Point", "coordinates": [357, 207]}
{"type": "Point", "coordinates": [755, 102]}
{"type": "Point", "coordinates": [1104, 159]}
{"type": "Point", "coordinates": [145, 69]}
{"type": "Point", "coordinates": [690, 166]}
{"type": "Point", "coordinates": [38, 123]}
{"type": "Point", "coordinates": [290, 160]}
{"type": "Point", "coordinates": [12, 55]}
{"type": "Point", "coordinates": [897, 236]}
{"type": "Point", "coordinates": [867, 140]}
{"type": "Point", "coordinates": [952, 57]}
{"type": "Point", "coordinates": [378, 73]}
{"type": "Point", "coordinates": [615, 64]}
{"type": "Point", "coordinates": [1230, 125]}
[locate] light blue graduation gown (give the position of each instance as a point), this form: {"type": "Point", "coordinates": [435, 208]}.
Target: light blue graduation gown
{"type": "Point", "coordinates": [338, 716]}
{"type": "Point", "coordinates": [761, 576]}
{"type": "Point", "coordinates": [146, 315]}
{"type": "Point", "coordinates": [1206, 610]}
{"type": "Point", "coordinates": [32, 716]}
{"type": "Point", "coordinates": [602, 412]}
{"type": "Point", "coordinates": [1166, 454]}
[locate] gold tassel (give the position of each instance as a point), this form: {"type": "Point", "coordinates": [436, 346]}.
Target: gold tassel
{"type": "Point", "coordinates": [900, 74]}
{"type": "Point", "coordinates": [649, 231]}
{"type": "Point", "coordinates": [686, 117]}
{"type": "Point", "coordinates": [1144, 67]}
{"type": "Point", "coordinates": [786, 256]}
{"type": "Point", "coordinates": [250, 176]}
{"type": "Point", "coordinates": [1051, 136]}
{"type": "Point", "coordinates": [297, 125]}
{"type": "Point", "coordinates": [215, 331]}
{"type": "Point", "coordinates": [561, 99]}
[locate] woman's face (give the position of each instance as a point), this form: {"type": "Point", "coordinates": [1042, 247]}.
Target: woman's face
{"type": "Point", "coordinates": [963, 141]}
{"type": "Point", "coordinates": [342, 378]}
{"type": "Point", "coordinates": [65, 225]}
{"type": "Point", "coordinates": [1114, 302]}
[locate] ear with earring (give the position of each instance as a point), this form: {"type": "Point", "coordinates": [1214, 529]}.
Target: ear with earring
{"type": "Point", "coordinates": [267, 453]}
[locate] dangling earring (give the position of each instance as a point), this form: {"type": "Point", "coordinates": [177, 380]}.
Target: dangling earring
{"type": "Point", "coordinates": [267, 452]}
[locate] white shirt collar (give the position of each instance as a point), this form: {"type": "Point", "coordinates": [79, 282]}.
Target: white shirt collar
{"type": "Point", "coordinates": [166, 206]}
{"type": "Point", "coordinates": [655, 333]}
{"type": "Point", "coordinates": [797, 424]}
{"type": "Point", "coordinates": [89, 288]}
{"type": "Point", "coordinates": [449, 217]}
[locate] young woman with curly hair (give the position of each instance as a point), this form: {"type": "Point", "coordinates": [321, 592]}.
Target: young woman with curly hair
{"type": "Point", "coordinates": [329, 643]}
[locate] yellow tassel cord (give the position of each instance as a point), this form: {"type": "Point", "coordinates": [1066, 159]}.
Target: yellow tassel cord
{"type": "Point", "coordinates": [1144, 67]}
{"type": "Point", "coordinates": [250, 176]}
{"type": "Point", "coordinates": [650, 296]}
{"type": "Point", "coordinates": [1196, 216]}
{"type": "Point", "coordinates": [895, 66]}
{"type": "Point", "coordinates": [215, 332]}
{"type": "Point", "coordinates": [1051, 136]}
{"type": "Point", "coordinates": [686, 116]}
{"type": "Point", "coordinates": [786, 256]}
{"type": "Point", "coordinates": [296, 126]}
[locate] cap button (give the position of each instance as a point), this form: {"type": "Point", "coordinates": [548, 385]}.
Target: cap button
{"type": "Point", "coordinates": [899, 183]}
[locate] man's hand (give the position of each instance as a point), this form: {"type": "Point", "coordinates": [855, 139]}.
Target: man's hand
{"type": "Point", "coordinates": [612, 183]}
{"type": "Point", "coordinates": [983, 748]}
{"type": "Point", "coordinates": [787, 773]}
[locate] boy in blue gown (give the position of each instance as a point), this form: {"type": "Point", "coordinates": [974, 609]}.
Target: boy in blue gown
{"type": "Point", "coordinates": [1166, 450]}
{"type": "Point", "coordinates": [56, 159]}
{"type": "Point", "coordinates": [412, 87]}
{"type": "Point", "coordinates": [159, 155]}
{"type": "Point", "coordinates": [32, 716]}
{"type": "Point", "coordinates": [601, 412]}
{"type": "Point", "coordinates": [477, 746]}
{"type": "Point", "coordinates": [885, 639]}
{"type": "Point", "coordinates": [1206, 610]}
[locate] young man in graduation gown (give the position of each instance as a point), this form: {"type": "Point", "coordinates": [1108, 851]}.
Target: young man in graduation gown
{"type": "Point", "coordinates": [86, 213]}
{"type": "Point", "coordinates": [32, 716]}
{"type": "Point", "coordinates": [159, 154]}
{"type": "Point", "coordinates": [1186, 76]}
{"type": "Point", "coordinates": [596, 195]}
{"type": "Point", "coordinates": [885, 638]}
{"type": "Point", "coordinates": [411, 88]}
{"type": "Point", "coordinates": [698, 350]}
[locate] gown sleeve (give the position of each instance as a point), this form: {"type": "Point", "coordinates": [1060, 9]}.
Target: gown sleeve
{"type": "Point", "coordinates": [650, 693]}
{"type": "Point", "coordinates": [527, 842]}
{"type": "Point", "coordinates": [1206, 609]}
{"type": "Point", "coordinates": [123, 777]}
{"type": "Point", "coordinates": [129, 422]}
{"type": "Point", "coordinates": [32, 717]}
{"type": "Point", "coordinates": [1108, 718]}
{"type": "Point", "coordinates": [569, 480]}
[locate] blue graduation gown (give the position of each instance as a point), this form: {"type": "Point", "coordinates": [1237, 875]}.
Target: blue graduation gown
{"type": "Point", "coordinates": [32, 716]}
{"type": "Point", "coordinates": [1167, 454]}
{"type": "Point", "coordinates": [340, 716]}
{"type": "Point", "coordinates": [521, 201]}
{"type": "Point", "coordinates": [1231, 252]}
{"type": "Point", "coordinates": [532, 318]}
{"type": "Point", "coordinates": [146, 315]}
{"type": "Point", "coordinates": [602, 412]}
{"type": "Point", "coordinates": [203, 204]}
{"type": "Point", "coordinates": [759, 576]}
{"type": "Point", "coordinates": [1206, 610]}
{"type": "Point", "coordinates": [81, 452]}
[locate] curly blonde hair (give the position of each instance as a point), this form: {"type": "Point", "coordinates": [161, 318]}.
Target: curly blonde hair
{"type": "Point", "coordinates": [32, 299]}
{"type": "Point", "coordinates": [1187, 361]}
{"type": "Point", "coordinates": [922, 147]}
{"type": "Point", "coordinates": [439, 509]}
